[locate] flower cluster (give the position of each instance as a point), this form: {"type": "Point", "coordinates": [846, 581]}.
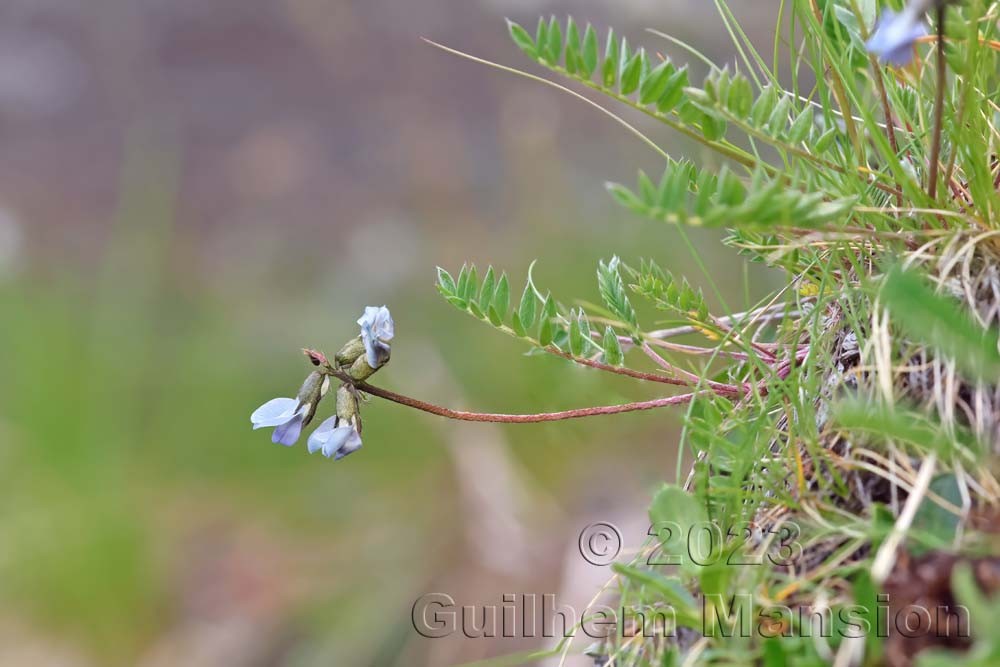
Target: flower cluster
{"type": "Point", "coordinates": [339, 435]}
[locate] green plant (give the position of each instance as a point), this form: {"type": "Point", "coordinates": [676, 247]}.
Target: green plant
{"type": "Point", "coordinates": [823, 420]}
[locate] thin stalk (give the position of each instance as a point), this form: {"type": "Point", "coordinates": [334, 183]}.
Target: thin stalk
{"type": "Point", "coordinates": [535, 418]}
{"type": "Point", "coordinates": [325, 367]}
{"type": "Point", "coordinates": [942, 81]}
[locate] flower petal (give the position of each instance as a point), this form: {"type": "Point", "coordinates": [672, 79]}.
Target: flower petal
{"type": "Point", "coordinates": [287, 434]}
{"type": "Point", "coordinates": [336, 442]}
{"type": "Point", "coordinates": [321, 435]}
{"type": "Point", "coordinates": [352, 444]}
{"type": "Point", "coordinates": [377, 329]}
{"type": "Point", "coordinates": [275, 412]}
{"type": "Point", "coordinates": [895, 36]}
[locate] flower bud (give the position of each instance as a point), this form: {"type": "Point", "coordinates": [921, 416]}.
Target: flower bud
{"type": "Point", "coordinates": [348, 354]}
{"type": "Point", "coordinates": [360, 370]}
{"type": "Point", "coordinates": [311, 393]}
{"type": "Point", "coordinates": [347, 404]}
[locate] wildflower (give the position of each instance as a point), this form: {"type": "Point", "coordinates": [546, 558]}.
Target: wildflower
{"type": "Point", "coordinates": [377, 329]}
{"type": "Point", "coordinates": [340, 435]}
{"type": "Point", "coordinates": [336, 438]}
{"type": "Point", "coordinates": [288, 416]}
{"type": "Point", "coordinates": [895, 34]}
{"type": "Point", "coordinates": [285, 415]}
{"type": "Point", "coordinates": [808, 288]}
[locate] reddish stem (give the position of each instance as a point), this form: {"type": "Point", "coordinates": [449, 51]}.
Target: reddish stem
{"type": "Point", "coordinates": [530, 418]}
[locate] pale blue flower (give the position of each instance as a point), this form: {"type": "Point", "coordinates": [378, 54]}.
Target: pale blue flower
{"type": "Point", "coordinates": [286, 415]}
{"type": "Point", "coordinates": [377, 329]}
{"type": "Point", "coordinates": [896, 34]}
{"type": "Point", "coordinates": [335, 438]}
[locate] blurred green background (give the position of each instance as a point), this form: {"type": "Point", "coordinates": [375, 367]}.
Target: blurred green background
{"type": "Point", "coordinates": [192, 191]}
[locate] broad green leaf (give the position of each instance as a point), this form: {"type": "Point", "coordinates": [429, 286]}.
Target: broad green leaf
{"type": "Point", "coordinates": [900, 424]}
{"type": "Point", "coordinates": [935, 320]}
{"type": "Point", "coordinates": [935, 522]}
{"type": "Point", "coordinates": [669, 590]}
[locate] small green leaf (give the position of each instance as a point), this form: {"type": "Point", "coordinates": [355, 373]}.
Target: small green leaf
{"type": "Point", "coordinates": [779, 116]}
{"type": "Point", "coordinates": [572, 46]}
{"type": "Point", "coordinates": [610, 73]}
{"type": "Point", "coordinates": [501, 298]}
{"type": "Point", "coordinates": [576, 340]}
{"type": "Point", "coordinates": [522, 39]}
{"type": "Point", "coordinates": [590, 52]}
{"type": "Point", "coordinates": [670, 590]}
{"type": "Point", "coordinates": [463, 282]}
{"type": "Point", "coordinates": [654, 85]}
{"type": "Point", "coordinates": [445, 282]}
{"type": "Point", "coordinates": [626, 197]}
{"type": "Point", "coordinates": [631, 73]}
{"type": "Point", "coordinates": [546, 331]}
{"type": "Point", "coordinates": [612, 289]}
{"type": "Point", "coordinates": [673, 92]}
{"type": "Point", "coordinates": [486, 293]}
{"type": "Point", "coordinates": [541, 37]}
{"type": "Point", "coordinates": [801, 126]}
{"type": "Point", "coordinates": [739, 98]}
{"type": "Point", "coordinates": [764, 105]}
{"type": "Point", "coordinates": [553, 49]}
{"type": "Point", "coordinates": [526, 310]}
{"type": "Point", "coordinates": [495, 318]}
{"type": "Point", "coordinates": [476, 311]}
{"type": "Point", "coordinates": [825, 140]}
{"type": "Point", "coordinates": [612, 348]}
{"type": "Point", "coordinates": [472, 285]}
{"type": "Point", "coordinates": [673, 506]}
{"type": "Point", "coordinates": [516, 325]}
{"type": "Point", "coordinates": [647, 190]}
{"type": "Point", "coordinates": [713, 128]}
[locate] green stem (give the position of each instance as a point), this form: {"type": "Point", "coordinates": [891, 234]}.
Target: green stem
{"type": "Point", "coordinates": [942, 80]}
